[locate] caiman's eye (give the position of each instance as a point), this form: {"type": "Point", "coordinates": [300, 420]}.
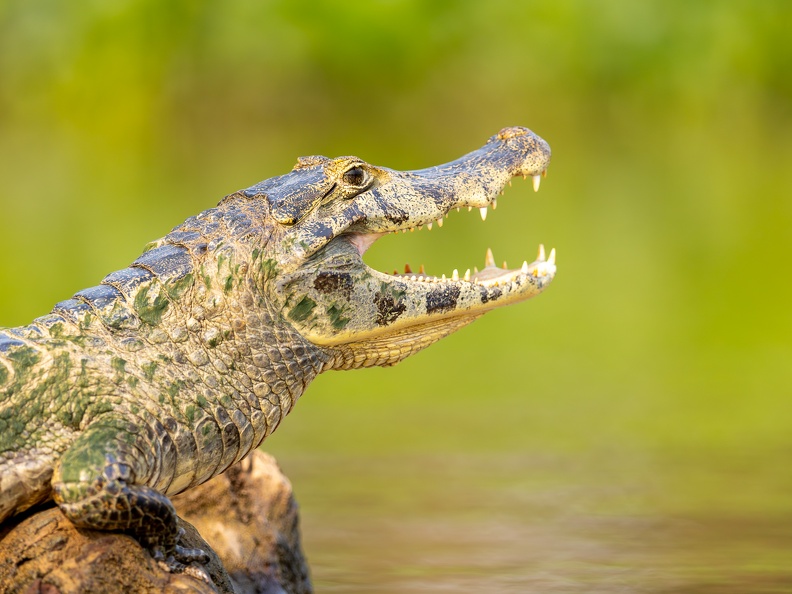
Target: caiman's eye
{"type": "Point", "coordinates": [355, 177]}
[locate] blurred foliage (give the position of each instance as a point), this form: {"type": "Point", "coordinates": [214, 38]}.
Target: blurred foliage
{"type": "Point", "coordinates": [668, 331]}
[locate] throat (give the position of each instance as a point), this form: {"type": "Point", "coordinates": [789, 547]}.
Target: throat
{"type": "Point", "coordinates": [363, 241]}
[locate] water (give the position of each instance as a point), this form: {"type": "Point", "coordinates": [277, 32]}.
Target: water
{"type": "Point", "coordinates": [552, 523]}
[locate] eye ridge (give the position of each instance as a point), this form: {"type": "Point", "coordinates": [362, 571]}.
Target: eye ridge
{"type": "Point", "coordinates": [355, 176]}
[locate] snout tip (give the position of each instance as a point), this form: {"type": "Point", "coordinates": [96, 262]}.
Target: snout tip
{"type": "Point", "coordinates": [532, 152]}
{"type": "Point", "coordinates": [513, 132]}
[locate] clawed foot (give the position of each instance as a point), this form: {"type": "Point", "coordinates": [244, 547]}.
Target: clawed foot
{"type": "Point", "coordinates": [178, 559]}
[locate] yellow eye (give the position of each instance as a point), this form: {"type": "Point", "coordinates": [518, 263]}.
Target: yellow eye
{"type": "Point", "coordinates": [355, 177]}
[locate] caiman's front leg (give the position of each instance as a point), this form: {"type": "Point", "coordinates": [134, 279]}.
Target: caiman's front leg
{"type": "Point", "coordinates": [96, 485]}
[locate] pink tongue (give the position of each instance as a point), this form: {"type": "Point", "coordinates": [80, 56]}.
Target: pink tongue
{"type": "Point", "coordinates": [363, 241]}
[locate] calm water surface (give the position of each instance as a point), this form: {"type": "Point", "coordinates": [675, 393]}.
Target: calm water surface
{"type": "Point", "coordinates": [606, 522]}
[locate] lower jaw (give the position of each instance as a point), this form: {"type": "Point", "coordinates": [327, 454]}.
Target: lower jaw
{"type": "Point", "coordinates": [387, 350]}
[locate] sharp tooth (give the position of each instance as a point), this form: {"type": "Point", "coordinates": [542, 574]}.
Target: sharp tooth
{"type": "Point", "coordinates": [420, 227]}
{"type": "Point", "coordinates": [467, 275]}
{"type": "Point", "coordinates": [440, 222]}
{"type": "Point", "coordinates": [505, 267]}
{"type": "Point", "coordinates": [395, 272]}
{"type": "Point", "coordinates": [455, 275]}
{"type": "Point", "coordinates": [470, 208]}
{"type": "Point", "coordinates": [475, 270]}
{"type": "Point", "coordinates": [544, 173]}
{"type": "Point", "coordinates": [536, 181]}
{"type": "Point", "coordinates": [494, 204]}
{"type": "Point", "coordinates": [412, 229]}
{"type": "Point", "coordinates": [524, 268]}
{"type": "Point", "coordinates": [525, 176]}
{"type": "Point", "coordinates": [421, 270]}
{"type": "Point", "coordinates": [541, 255]}
{"type": "Point", "coordinates": [551, 259]}
{"type": "Point", "coordinates": [404, 230]}
{"type": "Point", "coordinates": [483, 211]}
{"type": "Point", "coordinates": [407, 269]}
{"type": "Point", "coordinates": [510, 183]}
{"type": "Point", "coordinates": [429, 226]}
{"type": "Point", "coordinates": [489, 259]}
{"type": "Point", "coordinates": [457, 209]}
{"type": "Point", "coordinates": [444, 278]}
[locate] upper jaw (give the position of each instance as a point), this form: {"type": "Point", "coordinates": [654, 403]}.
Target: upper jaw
{"type": "Point", "coordinates": [405, 200]}
{"type": "Point", "coordinates": [416, 198]}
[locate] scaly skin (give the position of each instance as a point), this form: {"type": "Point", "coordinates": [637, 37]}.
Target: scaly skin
{"type": "Point", "coordinates": [175, 368]}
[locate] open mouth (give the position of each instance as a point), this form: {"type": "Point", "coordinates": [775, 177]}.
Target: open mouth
{"type": "Point", "coordinates": [337, 301]}
{"type": "Point", "coordinates": [490, 276]}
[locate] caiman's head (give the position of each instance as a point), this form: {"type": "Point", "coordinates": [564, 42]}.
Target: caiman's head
{"type": "Point", "coordinates": [328, 212]}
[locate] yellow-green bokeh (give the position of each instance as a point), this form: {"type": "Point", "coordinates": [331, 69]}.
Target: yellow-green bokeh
{"type": "Point", "coordinates": [667, 334]}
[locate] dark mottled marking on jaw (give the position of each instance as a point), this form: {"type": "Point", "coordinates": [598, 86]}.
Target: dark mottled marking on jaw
{"type": "Point", "coordinates": [388, 310]}
{"type": "Point", "coordinates": [322, 230]}
{"type": "Point", "coordinates": [396, 218]}
{"type": "Point", "coordinates": [442, 299]}
{"type": "Point", "coordinates": [303, 309]}
{"type": "Point", "coordinates": [334, 282]}
{"type": "Point", "coordinates": [394, 215]}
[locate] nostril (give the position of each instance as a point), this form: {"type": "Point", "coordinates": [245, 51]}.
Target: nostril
{"type": "Point", "coordinates": [513, 132]}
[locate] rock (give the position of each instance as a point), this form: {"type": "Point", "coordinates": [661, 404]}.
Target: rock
{"type": "Point", "coordinates": [249, 514]}
{"type": "Point", "coordinates": [253, 525]}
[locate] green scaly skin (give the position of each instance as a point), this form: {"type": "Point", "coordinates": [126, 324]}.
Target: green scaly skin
{"type": "Point", "coordinates": [175, 368]}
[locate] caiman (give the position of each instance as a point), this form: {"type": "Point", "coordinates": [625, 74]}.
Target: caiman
{"type": "Point", "coordinates": [176, 367]}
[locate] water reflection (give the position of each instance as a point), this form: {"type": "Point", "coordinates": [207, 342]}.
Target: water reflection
{"type": "Point", "coordinates": [507, 523]}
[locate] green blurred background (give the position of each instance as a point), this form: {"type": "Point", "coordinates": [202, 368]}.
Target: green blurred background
{"type": "Point", "coordinates": [630, 429]}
